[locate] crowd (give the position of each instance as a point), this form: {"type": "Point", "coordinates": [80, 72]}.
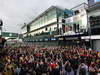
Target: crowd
{"type": "Point", "coordinates": [52, 60]}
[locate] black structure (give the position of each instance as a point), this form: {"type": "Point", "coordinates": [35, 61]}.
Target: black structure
{"type": "Point", "coordinates": [95, 25]}
{"type": "Point", "coordinates": [2, 40]}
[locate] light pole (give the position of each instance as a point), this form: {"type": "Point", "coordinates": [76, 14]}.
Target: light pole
{"type": "Point", "coordinates": [1, 42]}
{"type": "Point", "coordinates": [1, 24]}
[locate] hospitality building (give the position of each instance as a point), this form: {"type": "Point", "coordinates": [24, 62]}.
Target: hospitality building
{"type": "Point", "coordinates": [45, 26]}
{"type": "Point", "coordinates": [76, 26]}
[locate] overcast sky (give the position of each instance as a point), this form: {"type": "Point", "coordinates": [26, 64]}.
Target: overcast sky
{"type": "Point", "coordinates": [15, 13]}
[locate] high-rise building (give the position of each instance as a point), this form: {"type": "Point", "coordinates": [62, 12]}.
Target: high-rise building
{"type": "Point", "coordinates": [92, 2]}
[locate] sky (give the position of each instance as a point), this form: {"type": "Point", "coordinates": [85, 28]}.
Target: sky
{"type": "Point", "coordinates": [15, 13]}
{"type": "Point", "coordinates": [97, 0]}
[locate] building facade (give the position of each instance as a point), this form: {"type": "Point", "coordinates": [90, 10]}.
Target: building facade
{"type": "Point", "coordinates": [77, 22]}
{"type": "Point", "coordinates": [45, 22]}
{"type": "Point", "coordinates": [45, 26]}
{"type": "Point", "coordinates": [94, 25]}
{"type": "Point", "coordinates": [76, 26]}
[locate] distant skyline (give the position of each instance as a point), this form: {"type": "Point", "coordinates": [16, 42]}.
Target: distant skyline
{"type": "Point", "coordinates": [15, 13]}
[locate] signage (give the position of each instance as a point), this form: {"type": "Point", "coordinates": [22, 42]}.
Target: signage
{"type": "Point", "coordinates": [33, 40]}
{"type": "Point", "coordinates": [61, 38]}
{"type": "Point", "coordinates": [36, 39]}
{"type": "Point", "coordinates": [8, 34]}
{"type": "Point", "coordinates": [46, 39]}
{"type": "Point", "coordinates": [72, 38]}
{"type": "Point", "coordinates": [53, 39]}
{"type": "Point", "coordinates": [40, 39]}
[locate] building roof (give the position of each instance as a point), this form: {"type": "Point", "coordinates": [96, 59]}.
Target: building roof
{"type": "Point", "coordinates": [94, 7]}
{"type": "Point", "coordinates": [80, 6]}
{"type": "Point", "coordinates": [50, 8]}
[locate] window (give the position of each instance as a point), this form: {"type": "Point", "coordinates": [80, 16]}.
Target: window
{"type": "Point", "coordinates": [77, 12]}
{"type": "Point", "coordinates": [28, 28]}
{"type": "Point", "coordinates": [46, 29]}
